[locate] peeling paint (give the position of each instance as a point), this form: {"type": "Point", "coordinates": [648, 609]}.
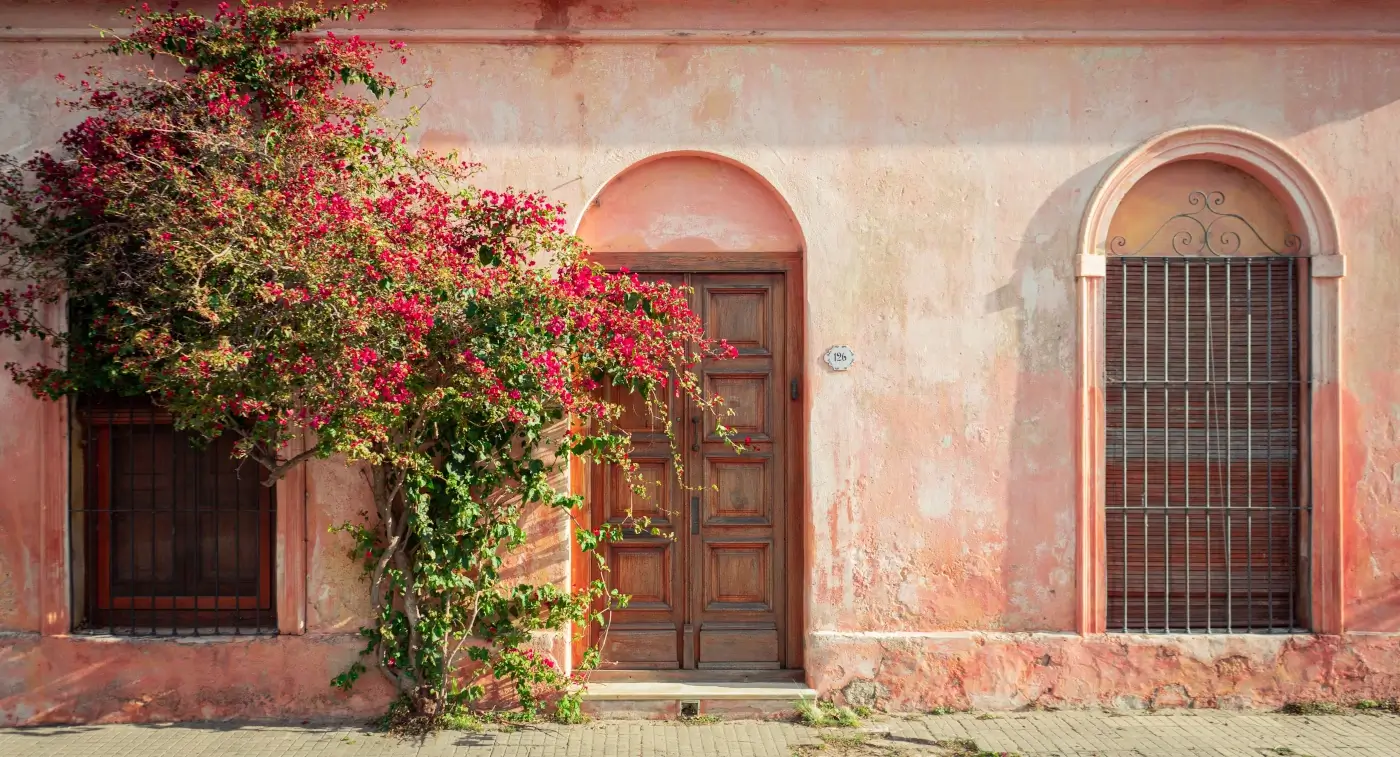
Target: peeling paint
{"type": "Point", "coordinates": [1012, 671]}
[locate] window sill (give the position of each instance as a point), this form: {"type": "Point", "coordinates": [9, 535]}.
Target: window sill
{"type": "Point", "coordinates": [167, 635]}
{"type": "Point", "coordinates": [1204, 636]}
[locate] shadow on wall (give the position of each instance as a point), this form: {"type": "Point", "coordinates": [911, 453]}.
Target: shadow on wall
{"type": "Point", "coordinates": [1038, 561]}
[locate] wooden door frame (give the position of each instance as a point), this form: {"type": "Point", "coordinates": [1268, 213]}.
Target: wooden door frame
{"type": "Point", "coordinates": [795, 476]}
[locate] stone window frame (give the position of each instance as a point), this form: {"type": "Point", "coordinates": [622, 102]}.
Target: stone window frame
{"type": "Point", "coordinates": [1310, 214]}
{"type": "Point", "coordinates": [55, 582]}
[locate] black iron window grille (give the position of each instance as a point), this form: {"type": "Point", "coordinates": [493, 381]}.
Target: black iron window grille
{"type": "Point", "coordinates": [169, 537]}
{"type": "Point", "coordinates": [1207, 517]}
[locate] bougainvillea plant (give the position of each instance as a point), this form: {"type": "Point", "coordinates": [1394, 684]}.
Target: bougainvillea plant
{"type": "Point", "coordinates": [241, 232]}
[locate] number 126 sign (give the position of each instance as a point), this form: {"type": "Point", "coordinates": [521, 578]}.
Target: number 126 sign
{"type": "Point", "coordinates": [840, 358]}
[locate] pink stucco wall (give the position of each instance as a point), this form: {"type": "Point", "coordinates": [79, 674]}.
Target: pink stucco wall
{"type": "Point", "coordinates": [939, 186]}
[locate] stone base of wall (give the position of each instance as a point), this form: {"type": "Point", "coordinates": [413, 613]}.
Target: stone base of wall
{"type": "Point", "coordinates": [991, 671]}
{"type": "Point", "coordinates": [89, 679]}
{"type": "Point", "coordinates": [47, 680]}
{"type": "Point", "coordinates": [73, 679]}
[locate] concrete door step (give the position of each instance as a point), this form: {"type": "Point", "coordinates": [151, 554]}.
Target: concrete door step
{"type": "Point", "coordinates": [697, 690]}
{"type": "Point", "coordinates": [670, 699]}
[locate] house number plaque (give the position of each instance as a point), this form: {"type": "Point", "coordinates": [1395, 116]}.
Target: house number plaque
{"type": "Point", "coordinates": [840, 358]}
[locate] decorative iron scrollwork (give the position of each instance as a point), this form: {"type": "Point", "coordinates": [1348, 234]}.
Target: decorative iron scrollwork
{"type": "Point", "coordinates": [1208, 230]}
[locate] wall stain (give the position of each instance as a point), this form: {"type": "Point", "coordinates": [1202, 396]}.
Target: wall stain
{"type": "Point", "coordinates": [554, 14]}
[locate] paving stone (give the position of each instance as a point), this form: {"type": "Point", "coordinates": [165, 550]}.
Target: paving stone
{"type": "Point", "coordinates": [1034, 734]}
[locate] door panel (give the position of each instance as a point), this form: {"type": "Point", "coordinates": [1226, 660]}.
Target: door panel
{"type": "Point", "coordinates": [737, 605]}
{"type": "Point", "coordinates": [739, 648]}
{"type": "Point", "coordinates": [645, 633]}
{"type": "Point", "coordinates": [714, 595]}
{"type": "Point", "coordinates": [746, 398]}
{"type": "Point", "coordinates": [742, 493]}
{"type": "Point", "coordinates": [656, 476]}
{"type": "Point", "coordinates": [738, 577]}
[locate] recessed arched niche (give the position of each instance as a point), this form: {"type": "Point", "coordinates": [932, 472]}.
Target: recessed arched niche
{"type": "Point", "coordinates": [1196, 197]}
{"type": "Point", "coordinates": [721, 233]}
{"type": "Point", "coordinates": [689, 203]}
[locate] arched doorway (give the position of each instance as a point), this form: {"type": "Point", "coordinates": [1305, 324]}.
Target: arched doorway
{"type": "Point", "coordinates": [725, 593]}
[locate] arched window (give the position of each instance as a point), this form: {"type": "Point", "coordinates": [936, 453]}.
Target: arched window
{"type": "Point", "coordinates": [1206, 512]}
{"type": "Point", "coordinates": [1210, 490]}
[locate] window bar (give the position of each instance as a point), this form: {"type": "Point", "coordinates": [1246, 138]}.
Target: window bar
{"type": "Point", "coordinates": [1123, 439]}
{"type": "Point", "coordinates": [1206, 415]}
{"type": "Point", "coordinates": [184, 503]}
{"type": "Point", "coordinates": [110, 484]}
{"type": "Point", "coordinates": [1249, 433]}
{"type": "Point", "coordinates": [80, 512]}
{"type": "Point", "coordinates": [237, 557]}
{"type": "Point", "coordinates": [1297, 439]}
{"type": "Point", "coordinates": [1186, 436]}
{"type": "Point", "coordinates": [109, 619]}
{"type": "Point", "coordinates": [1142, 499]}
{"type": "Point", "coordinates": [197, 504]}
{"type": "Point", "coordinates": [90, 495]}
{"type": "Point", "coordinates": [1166, 445]}
{"type": "Point", "coordinates": [151, 499]}
{"type": "Point", "coordinates": [176, 554]}
{"type": "Point", "coordinates": [1229, 458]}
{"type": "Point", "coordinates": [1269, 449]}
{"type": "Point", "coordinates": [257, 564]}
{"type": "Point", "coordinates": [77, 514]}
{"type": "Point", "coordinates": [218, 565]}
{"type": "Point", "coordinates": [131, 508]}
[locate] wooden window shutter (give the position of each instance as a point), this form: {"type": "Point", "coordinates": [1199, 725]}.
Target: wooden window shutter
{"type": "Point", "coordinates": [1206, 512]}
{"type": "Point", "coordinates": [173, 536]}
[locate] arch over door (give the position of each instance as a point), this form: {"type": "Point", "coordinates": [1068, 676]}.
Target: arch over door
{"type": "Point", "coordinates": [688, 203]}
{"type": "Point", "coordinates": [726, 591]}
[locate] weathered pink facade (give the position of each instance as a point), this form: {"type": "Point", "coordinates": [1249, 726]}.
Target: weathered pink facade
{"type": "Point", "coordinates": [942, 167]}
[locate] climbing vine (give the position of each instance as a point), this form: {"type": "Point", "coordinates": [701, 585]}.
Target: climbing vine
{"type": "Point", "coordinates": [241, 232]}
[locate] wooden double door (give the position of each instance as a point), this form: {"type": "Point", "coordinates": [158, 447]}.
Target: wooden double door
{"type": "Point", "coordinates": [714, 591]}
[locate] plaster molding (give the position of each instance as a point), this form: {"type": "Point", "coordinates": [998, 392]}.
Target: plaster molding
{"type": "Point", "coordinates": [1091, 586]}
{"type": "Point", "coordinates": [1091, 266]}
{"type": "Point", "coordinates": [939, 635]}
{"type": "Point", "coordinates": [620, 165]}
{"type": "Point", "coordinates": [289, 584]}
{"type": "Point", "coordinates": [55, 583]}
{"type": "Point", "coordinates": [1329, 267]}
{"type": "Point", "coordinates": [290, 569]}
{"type": "Point", "coordinates": [1149, 639]}
{"type": "Point", "coordinates": [1310, 213]}
{"type": "Point", "coordinates": [55, 611]}
{"type": "Point", "coordinates": [115, 639]}
{"type": "Point", "coordinates": [1271, 163]}
{"type": "Point", "coordinates": [804, 37]}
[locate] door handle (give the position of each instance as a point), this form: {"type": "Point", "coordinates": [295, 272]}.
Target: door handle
{"type": "Point", "coordinates": [695, 433]}
{"type": "Point", "coordinates": [695, 515]}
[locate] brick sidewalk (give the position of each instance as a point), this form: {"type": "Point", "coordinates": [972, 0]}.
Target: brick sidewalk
{"type": "Point", "coordinates": [1032, 734]}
